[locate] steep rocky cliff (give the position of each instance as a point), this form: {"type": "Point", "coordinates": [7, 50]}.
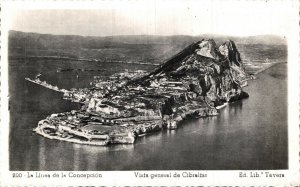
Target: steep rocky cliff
{"type": "Point", "coordinates": [215, 73]}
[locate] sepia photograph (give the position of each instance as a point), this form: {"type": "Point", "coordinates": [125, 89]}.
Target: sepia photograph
{"type": "Point", "coordinates": [150, 87]}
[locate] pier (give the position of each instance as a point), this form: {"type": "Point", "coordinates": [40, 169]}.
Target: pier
{"type": "Point", "coordinates": [46, 85]}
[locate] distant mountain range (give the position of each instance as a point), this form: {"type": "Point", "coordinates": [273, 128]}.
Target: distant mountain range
{"type": "Point", "coordinates": [146, 48]}
{"type": "Point", "coordinates": [23, 39]}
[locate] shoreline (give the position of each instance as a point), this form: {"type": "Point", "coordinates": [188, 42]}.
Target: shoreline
{"type": "Point", "coordinates": [269, 66]}
{"type": "Point", "coordinates": [122, 138]}
{"type": "Point", "coordinates": [82, 60]}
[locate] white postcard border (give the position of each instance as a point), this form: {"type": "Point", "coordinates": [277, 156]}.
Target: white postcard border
{"type": "Point", "coordinates": [291, 176]}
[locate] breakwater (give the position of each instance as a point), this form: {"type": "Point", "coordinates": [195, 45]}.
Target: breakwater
{"type": "Point", "coordinates": [46, 85]}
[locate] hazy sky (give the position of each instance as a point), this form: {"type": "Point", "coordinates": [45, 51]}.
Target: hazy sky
{"type": "Point", "coordinates": [159, 17]}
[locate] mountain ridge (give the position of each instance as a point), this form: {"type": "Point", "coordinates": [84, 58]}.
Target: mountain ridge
{"type": "Point", "coordinates": [139, 39]}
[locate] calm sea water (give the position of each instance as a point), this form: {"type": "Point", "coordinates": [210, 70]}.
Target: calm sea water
{"type": "Point", "coordinates": [248, 134]}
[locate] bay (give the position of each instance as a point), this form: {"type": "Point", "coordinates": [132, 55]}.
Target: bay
{"type": "Point", "coordinates": [248, 134]}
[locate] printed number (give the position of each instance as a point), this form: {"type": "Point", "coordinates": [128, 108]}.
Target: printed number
{"type": "Point", "coordinates": [17, 175]}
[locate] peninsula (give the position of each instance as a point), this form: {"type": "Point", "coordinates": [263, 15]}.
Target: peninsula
{"type": "Point", "coordinates": [194, 83]}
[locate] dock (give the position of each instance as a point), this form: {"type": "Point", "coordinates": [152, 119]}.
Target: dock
{"type": "Point", "coordinates": [46, 85]}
